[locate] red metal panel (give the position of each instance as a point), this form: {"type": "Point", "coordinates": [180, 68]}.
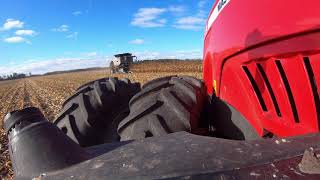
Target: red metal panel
{"type": "Point", "coordinates": [262, 87]}
{"type": "Point", "coordinates": [247, 23]}
{"type": "Point", "coordinates": [248, 104]}
{"type": "Point", "coordinates": [278, 124]}
{"type": "Point", "coordinates": [302, 92]}
{"type": "Point", "coordinates": [277, 86]}
{"type": "Point", "coordinates": [315, 63]}
{"type": "Point", "coordinates": [248, 32]}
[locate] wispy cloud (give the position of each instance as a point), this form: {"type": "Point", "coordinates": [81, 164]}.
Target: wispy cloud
{"type": "Point", "coordinates": [181, 54]}
{"type": "Point", "coordinates": [177, 9]}
{"type": "Point", "coordinates": [149, 18]}
{"type": "Point", "coordinates": [189, 54]}
{"type": "Point", "coordinates": [15, 39]}
{"type": "Point", "coordinates": [62, 28]}
{"type": "Point", "coordinates": [77, 13]}
{"type": "Point", "coordinates": [59, 64]}
{"type": "Point", "coordinates": [190, 23]}
{"type": "Point", "coordinates": [147, 55]}
{"type": "Point", "coordinates": [193, 22]}
{"type": "Point", "coordinates": [66, 28]}
{"type": "Point", "coordinates": [137, 41]}
{"type": "Point", "coordinates": [90, 54]}
{"type": "Point", "coordinates": [73, 35]}
{"type": "Point", "coordinates": [155, 17]}
{"type": "Point", "coordinates": [202, 3]}
{"type": "Point", "coordinates": [25, 32]}
{"type": "Point", "coordinates": [12, 24]}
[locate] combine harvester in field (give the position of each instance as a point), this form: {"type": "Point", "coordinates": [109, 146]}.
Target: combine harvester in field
{"type": "Point", "coordinates": [256, 115]}
{"type": "Point", "coordinates": [121, 63]}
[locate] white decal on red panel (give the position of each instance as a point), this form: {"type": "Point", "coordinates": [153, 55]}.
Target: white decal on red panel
{"type": "Point", "coordinates": [220, 6]}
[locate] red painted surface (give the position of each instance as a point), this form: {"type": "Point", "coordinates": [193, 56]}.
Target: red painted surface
{"type": "Point", "coordinates": [250, 32]}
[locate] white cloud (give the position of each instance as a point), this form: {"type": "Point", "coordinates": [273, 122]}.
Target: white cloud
{"type": "Point", "coordinates": [59, 64]}
{"type": "Point", "coordinates": [91, 54]}
{"type": "Point", "coordinates": [66, 28]}
{"type": "Point", "coordinates": [193, 22]}
{"type": "Point", "coordinates": [182, 54]}
{"type": "Point", "coordinates": [202, 14]}
{"type": "Point", "coordinates": [149, 18]}
{"type": "Point", "coordinates": [147, 55]}
{"type": "Point", "coordinates": [15, 39]}
{"type": "Point", "coordinates": [25, 32]}
{"type": "Point", "coordinates": [202, 3]}
{"type": "Point", "coordinates": [189, 54]}
{"type": "Point", "coordinates": [62, 28]}
{"type": "Point", "coordinates": [77, 13]}
{"type": "Point", "coordinates": [190, 23]}
{"type": "Point", "coordinates": [137, 41]}
{"type": "Point", "coordinates": [73, 35]}
{"type": "Point", "coordinates": [12, 24]}
{"type": "Point", "coordinates": [177, 9]}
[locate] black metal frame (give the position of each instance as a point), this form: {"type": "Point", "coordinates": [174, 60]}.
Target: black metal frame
{"type": "Point", "coordinates": [183, 155]}
{"type": "Point", "coordinates": [39, 148]}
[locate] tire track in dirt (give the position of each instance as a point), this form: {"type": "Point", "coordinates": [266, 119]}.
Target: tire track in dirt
{"type": "Point", "coordinates": [6, 96]}
{"type": "Point", "coordinates": [26, 96]}
{"type": "Point", "coordinates": [5, 91]}
{"type": "Point", "coordinates": [10, 100]}
{"type": "Point", "coordinates": [39, 97]}
{"type": "Point", "coordinates": [15, 102]}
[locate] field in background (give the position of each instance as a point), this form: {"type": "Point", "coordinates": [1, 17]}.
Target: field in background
{"type": "Point", "coordinates": [49, 92]}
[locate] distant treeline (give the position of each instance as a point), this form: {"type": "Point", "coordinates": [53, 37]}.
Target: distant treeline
{"type": "Point", "coordinates": [13, 76]}
{"type": "Point", "coordinates": [195, 66]}
{"type": "Point", "coordinates": [16, 76]}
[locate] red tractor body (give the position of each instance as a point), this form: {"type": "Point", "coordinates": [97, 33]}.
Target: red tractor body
{"type": "Point", "coordinates": [263, 58]}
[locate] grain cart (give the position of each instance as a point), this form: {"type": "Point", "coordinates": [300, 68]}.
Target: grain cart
{"type": "Point", "coordinates": [255, 116]}
{"type": "Point", "coordinates": [121, 63]}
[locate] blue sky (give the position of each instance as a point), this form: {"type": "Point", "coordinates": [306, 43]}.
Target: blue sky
{"type": "Point", "coordinates": [39, 36]}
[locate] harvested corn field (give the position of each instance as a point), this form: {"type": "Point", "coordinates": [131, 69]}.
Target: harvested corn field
{"type": "Point", "coordinates": [49, 92]}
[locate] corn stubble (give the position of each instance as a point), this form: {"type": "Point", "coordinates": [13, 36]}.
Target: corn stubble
{"type": "Point", "coordinates": [49, 92]}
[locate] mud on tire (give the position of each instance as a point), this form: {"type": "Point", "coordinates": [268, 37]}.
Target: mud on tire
{"type": "Point", "coordinates": [92, 114]}
{"type": "Point", "coordinates": [165, 105]}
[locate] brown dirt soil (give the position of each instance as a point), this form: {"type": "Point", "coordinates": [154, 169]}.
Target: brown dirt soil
{"type": "Point", "coordinates": [49, 92]}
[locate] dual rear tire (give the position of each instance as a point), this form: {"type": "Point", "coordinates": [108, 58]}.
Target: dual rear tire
{"type": "Point", "coordinates": [110, 110]}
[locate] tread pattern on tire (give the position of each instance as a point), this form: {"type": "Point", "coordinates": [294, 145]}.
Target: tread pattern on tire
{"type": "Point", "coordinates": [95, 107]}
{"type": "Point", "coordinates": [165, 105]}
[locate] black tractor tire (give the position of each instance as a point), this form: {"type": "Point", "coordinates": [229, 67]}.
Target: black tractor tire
{"type": "Point", "coordinates": [92, 114]}
{"type": "Point", "coordinates": [228, 122]}
{"type": "Point", "coordinates": [164, 105]}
